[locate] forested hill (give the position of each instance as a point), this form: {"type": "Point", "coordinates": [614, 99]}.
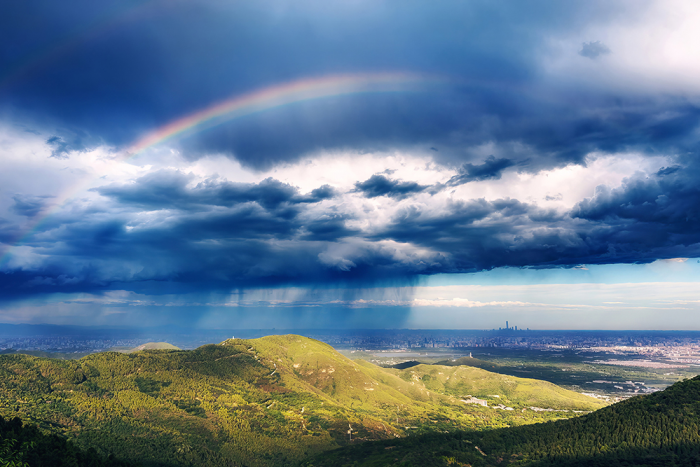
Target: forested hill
{"type": "Point", "coordinates": [660, 429]}
{"type": "Point", "coordinates": [262, 402]}
{"type": "Point", "coordinates": [22, 445]}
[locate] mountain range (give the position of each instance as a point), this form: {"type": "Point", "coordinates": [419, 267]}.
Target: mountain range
{"type": "Point", "coordinates": [271, 401]}
{"type": "Point", "coordinates": [288, 400]}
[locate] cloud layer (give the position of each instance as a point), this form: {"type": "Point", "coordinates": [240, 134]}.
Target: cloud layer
{"type": "Point", "coordinates": [105, 73]}
{"type": "Point", "coordinates": [173, 229]}
{"type": "Point", "coordinates": [552, 136]}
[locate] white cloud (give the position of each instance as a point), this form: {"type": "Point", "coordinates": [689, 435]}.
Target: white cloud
{"type": "Point", "coordinates": [655, 46]}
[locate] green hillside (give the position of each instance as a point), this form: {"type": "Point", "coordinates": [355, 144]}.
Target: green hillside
{"type": "Point", "coordinates": [660, 429]}
{"type": "Point", "coordinates": [269, 401]}
{"type": "Point", "coordinates": [497, 388]}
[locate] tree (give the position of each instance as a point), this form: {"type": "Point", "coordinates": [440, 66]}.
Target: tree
{"type": "Point", "coordinates": [11, 457]}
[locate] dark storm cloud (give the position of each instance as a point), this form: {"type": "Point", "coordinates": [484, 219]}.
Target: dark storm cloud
{"type": "Point", "coordinates": [112, 71]}
{"type": "Point", "coordinates": [266, 234]}
{"type": "Point", "coordinates": [491, 169]}
{"type": "Point", "coordinates": [9, 232]}
{"type": "Point", "coordinates": [668, 170]}
{"type": "Point", "coordinates": [118, 69]}
{"type": "Point", "coordinates": [239, 248]}
{"type": "Point", "coordinates": [647, 217]}
{"type": "Point", "coordinates": [323, 192]}
{"type": "Point", "coordinates": [58, 146]}
{"type": "Point", "coordinates": [167, 189]}
{"type": "Point", "coordinates": [62, 145]}
{"type": "Point", "coordinates": [593, 49]}
{"type": "Point", "coordinates": [379, 185]}
{"type": "Point", "coordinates": [328, 227]}
{"type": "Point", "coordinates": [482, 234]}
{"type": "Point", "coordinates": [29, 206]}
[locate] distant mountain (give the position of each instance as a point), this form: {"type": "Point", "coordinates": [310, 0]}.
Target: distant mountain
{"type": "Point", "coordinates": [264, 402]}
{"type": "Point", "coordinates": [660, 429]}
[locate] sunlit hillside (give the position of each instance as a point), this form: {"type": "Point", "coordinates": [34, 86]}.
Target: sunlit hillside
{"type": "Point", "coordinates": [497, 388]}
{"type": "Point", "coordinates": [268, 401]}
{"type": "Point", "coordinates": [659, 430]}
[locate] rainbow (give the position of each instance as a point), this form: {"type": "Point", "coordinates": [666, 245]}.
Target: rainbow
{"type": "Point", "coordinates": [277, 96]}
{"type": "Point", "coordinates": [239, 106]}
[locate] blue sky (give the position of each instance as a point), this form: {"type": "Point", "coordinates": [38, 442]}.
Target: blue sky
{"type": "Point", "coordinates": [544, 167]}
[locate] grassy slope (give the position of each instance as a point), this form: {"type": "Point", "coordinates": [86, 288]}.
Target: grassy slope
{"type": "Point", "coordinates": [268, 401]}
{"type": "Point", "coordinates": [516, 392]}
{"type": "Point", "coordinates": [660, 429]}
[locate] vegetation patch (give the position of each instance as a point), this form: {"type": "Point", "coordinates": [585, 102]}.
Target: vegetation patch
{"type": "Point", "coordinates": [660, 429]}
{"type": "Point", "coordinates": [264, 402]}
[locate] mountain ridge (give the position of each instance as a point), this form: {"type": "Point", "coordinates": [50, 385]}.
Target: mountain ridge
{"type": "Point", "coordinates": [269, 401]}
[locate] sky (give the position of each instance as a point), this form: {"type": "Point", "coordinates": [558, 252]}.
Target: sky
{"type": "Point", "coordinates": [351, 164]}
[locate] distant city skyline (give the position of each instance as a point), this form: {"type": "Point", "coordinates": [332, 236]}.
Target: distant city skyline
{"type": "Point", "coordinates": [661, 295]}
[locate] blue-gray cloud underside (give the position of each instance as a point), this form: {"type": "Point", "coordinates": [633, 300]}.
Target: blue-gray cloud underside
{"type": "Point", "coordinates": [84, 75]}
{"type": "Point", "coordinates": [251, 235]}
{"type": "Point", "coordinates": [94, 73]}
{"type": "Point", "coordinates": [380, 185]}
